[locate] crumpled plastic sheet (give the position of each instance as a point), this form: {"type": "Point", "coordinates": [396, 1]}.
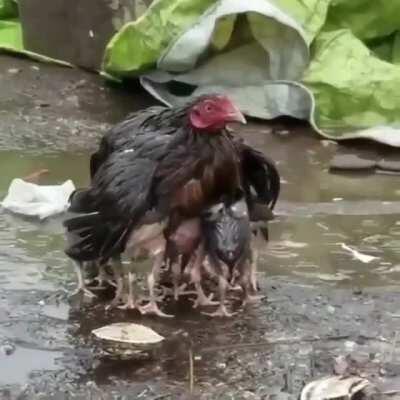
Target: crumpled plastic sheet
{"type": "Point", "coordinates": [41, 201]}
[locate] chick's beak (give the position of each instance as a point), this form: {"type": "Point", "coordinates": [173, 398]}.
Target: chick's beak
{"type": "Point", "coordinates": [235, 115]}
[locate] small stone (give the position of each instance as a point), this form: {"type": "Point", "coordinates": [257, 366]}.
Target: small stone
{"type": "Point", "coordinates": [249, 395]}
{"type": "Point", "coordinates": [341, 365]}
{"type": "Point", "coordinates": [331, 309]}
{"type": "Point", "coordinates": [7, 349]}
{"type": "Point", "coordinates": [41, 103]}
{"type": "Point", "coordinates": [350, 345]}
{"type": "Point", "coordinates": [35, 68]}
{"type": "Point", "coordinates": [14, 71]}
{"type": "Point", "coordinates": [357, 291]}
{"type": "Point", "coordinates": [361, 358]}
{"type": "Point", "coordinates": [74, 100]}
{"type": "Point", "coordinates": [80, 83]}
{"type": "Point", "coordinates": [283, 132]}
{"type": "Point", "coordinates": [221, 365]}
{"type": "Point", "coordinates": [390, 369]}
{"type": "Point", "coordinates": [326, 143]}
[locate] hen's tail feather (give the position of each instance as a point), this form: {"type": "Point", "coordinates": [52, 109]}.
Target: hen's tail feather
{"type": "Point", "coordinates": [261, 180]}
{"type": "Point", "coordinates": [85, 236]}
{"type": "Point", "coordinates": [81, 201]}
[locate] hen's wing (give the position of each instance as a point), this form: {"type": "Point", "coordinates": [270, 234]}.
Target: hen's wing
{"type": "Point", "coordinates": [124, 135]}
{"type": "Point", "coordinates": [120, 196]}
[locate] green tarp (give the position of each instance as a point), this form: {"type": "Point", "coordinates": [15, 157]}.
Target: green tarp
{"type": "Point", "coordinates": [10, 28]}
{"type": "Point", "coordinates": [333, 62]}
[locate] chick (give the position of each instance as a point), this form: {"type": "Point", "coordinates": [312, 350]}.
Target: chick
{"type": "Point", "coordinates": [227, 242]}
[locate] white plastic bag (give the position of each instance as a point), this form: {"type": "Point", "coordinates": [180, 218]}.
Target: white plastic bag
{"type": "Point", "coordinates": [37, 201]}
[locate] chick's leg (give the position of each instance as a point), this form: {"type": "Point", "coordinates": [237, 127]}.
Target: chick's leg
{"type": "Point", "coordinates": [152, 279]}
{"type": "Point", "coordinates": [118, 272]}
{"type": "Point", "coordinates": [247, 286]}
{"type": "Point", "coordinates": [81, 289]}
{"type": "Point", "coordinates": [131, 302]}
{"type": "Point", "coordinates": [221, 311]}
{"type": "Point", "coordinates": [103, 278]}
{"type": "Point", "coordinates": [176, 277]}
{"type": "Point", "coordinates": [195, 275]}
{"type": "Point", "coordinates": [253, 272]}
{"type": "Point", "coordinates": [178, 289]}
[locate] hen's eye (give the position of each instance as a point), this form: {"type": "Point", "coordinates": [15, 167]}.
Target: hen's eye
{"type": "Point", "coordinates": [208, 108]}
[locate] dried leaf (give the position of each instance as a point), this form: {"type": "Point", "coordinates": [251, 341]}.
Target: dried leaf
{"type": "Point", "coordinates": [336, 387]}
{"type": "Point", "coordinates": [128, 333]}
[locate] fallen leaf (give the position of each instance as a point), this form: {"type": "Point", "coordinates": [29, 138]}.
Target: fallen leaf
{"type": "Point", "coordinates": [128, 333]}
{"type": "Point", "coordinates": [337, 387]}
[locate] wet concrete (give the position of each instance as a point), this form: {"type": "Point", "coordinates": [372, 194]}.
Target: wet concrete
{"type": "Point", "coordinates": [322, 302]}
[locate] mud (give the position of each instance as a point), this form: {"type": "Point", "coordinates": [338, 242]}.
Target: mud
{"type": "Point", "coordinates": [321, 301]}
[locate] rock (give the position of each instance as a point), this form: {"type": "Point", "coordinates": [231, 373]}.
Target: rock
{"type": "Point", "coordinates": [389, 165]}
{"type": "Point", "coordinates": [351, 162]}
{"type": "Point", "coordinates": [14, 71]}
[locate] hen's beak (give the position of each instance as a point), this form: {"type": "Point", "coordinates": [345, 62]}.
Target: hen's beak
{"type": "Point", "coordinates": [236, 116]}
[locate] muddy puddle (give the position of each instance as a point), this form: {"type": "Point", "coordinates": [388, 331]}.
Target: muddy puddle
{"type": "Point", "coordinates": [322, 299]}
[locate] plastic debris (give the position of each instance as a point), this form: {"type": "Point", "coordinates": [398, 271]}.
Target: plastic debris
{"type": "Point", "coordinates": [365, 258]}
{"type": "Point", "coordinates": [40, 201]}
{"type": "Point", "coordinates": [128, 333]}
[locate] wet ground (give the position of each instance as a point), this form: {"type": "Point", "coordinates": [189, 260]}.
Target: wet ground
{"type": "Point", "coordinates": [321, 301]}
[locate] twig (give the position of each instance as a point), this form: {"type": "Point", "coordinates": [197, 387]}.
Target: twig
{"type": "Point", "coordinates": [394, 345]}
{"type": "Point", "coordinates": [391, 392]}
{"type": "Point", "coordinates": [191, 371]}
{"type": "Point", "coordinates": [162, 396]}
{"type": "Point", "coordinates": [275, 342]}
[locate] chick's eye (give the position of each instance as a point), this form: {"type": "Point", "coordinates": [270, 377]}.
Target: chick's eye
{"type": "Point", "coordinates": [208, 108]}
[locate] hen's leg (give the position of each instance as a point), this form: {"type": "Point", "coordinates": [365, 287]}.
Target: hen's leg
{"type": "Point", "coordinates": [117, 269]}
{"type": "Point", "coordinates": [152, 279]}
{"type": "Point", "coordinates": [81, 289]}
{"type": "Point", "coordinates": [221, 311]}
